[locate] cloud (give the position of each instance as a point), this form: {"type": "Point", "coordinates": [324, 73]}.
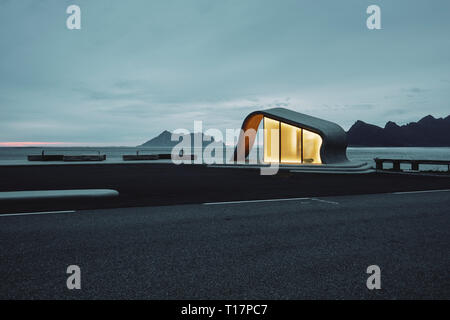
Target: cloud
{"type": "Point", "coordinates": [415, 90]}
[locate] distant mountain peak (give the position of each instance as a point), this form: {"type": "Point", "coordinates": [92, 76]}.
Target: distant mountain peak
{"type": "Point", "coordinates": [164, 139]}
{"type": "Point", "coordinates": [428, 118]}
{"type": "Point", "coordinates": [391, 125]}
{"type": "Point", "coordinates": [427, 132]}
{"type": "Point", "coordinates": [165, 133]}
{"type": "Point", "coordinates": [359, 123]}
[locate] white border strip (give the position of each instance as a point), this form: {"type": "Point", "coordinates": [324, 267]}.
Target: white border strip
{"type": "Point", "coordinates": [317, 199]}
{"type": "Point", "coordinates": [35, 213]}
{"type": "Point", "coordinates": [424, 191]}
{"type": "Point", "coordinates": [254, 201]}
{"type": "Point", "coordinates": [324, 201]}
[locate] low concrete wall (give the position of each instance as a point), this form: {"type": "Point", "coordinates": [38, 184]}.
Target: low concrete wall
{"type": "Point", "coordinates": [57, 194]}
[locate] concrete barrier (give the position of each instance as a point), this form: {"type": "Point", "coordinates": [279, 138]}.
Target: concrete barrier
{"type": "Point", "coordinates": [56, 194]}
{"type": "Point", "coordinates": [68, 158]}
{"type": "Point", "coordinates": [137, 157]}
{"type": "Point", "coordinates": [46, 157]}
{"type": "Point", "coordinates": [101, 157]}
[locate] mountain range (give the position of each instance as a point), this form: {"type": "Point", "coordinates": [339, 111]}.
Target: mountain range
{"type": "Point", "coordinates": [427, 132]}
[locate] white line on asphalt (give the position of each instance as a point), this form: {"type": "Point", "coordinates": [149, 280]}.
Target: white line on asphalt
{"type": "Point", "coordinates": [35, 213]}
{"type": "Point", "coordinates": [424, 191]}
{"type": "Point", "coordinates": [325, 201]}
{"type": "Point", "coordinates": [253, 201]}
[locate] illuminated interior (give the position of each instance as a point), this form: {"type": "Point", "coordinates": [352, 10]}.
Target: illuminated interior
{"type": "Point", "coordinates": [271, 140]}
{"type": "Point", "coordinates": [311, 147]}
{"type": "Point", "coordinates": [284, 143]}
{"type": "Point", "coordinates": [291, 140]}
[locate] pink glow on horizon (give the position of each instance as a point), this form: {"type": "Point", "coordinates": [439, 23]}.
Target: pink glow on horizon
{"type": "Point", "coordinates": [14, 144]}
{"type": "Point", "coordinates": [36, 143]}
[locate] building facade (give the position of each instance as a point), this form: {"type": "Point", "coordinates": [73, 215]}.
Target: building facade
{"type": "Point", "coordinates": [293, 138]}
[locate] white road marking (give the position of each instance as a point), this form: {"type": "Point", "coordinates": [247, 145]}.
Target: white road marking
{"type": "Point", "coordinates": [254, 201]}
{"type": "Point", "coordinates": [424, 191]}
{"type": "Point", "coordinates": [325, 201]}
{"type": "Point", "coordinates": [35, 213]}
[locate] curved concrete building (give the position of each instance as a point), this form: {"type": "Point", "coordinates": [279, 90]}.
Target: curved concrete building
{"type": "Point", "coordinates": [293, 138]}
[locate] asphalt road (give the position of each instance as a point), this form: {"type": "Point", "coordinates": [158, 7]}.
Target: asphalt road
{"type": "Point", "coordinates": [298, 249]}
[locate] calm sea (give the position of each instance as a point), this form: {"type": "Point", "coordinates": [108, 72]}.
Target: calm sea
{"type": "Point", "coordinates": [19, 155]}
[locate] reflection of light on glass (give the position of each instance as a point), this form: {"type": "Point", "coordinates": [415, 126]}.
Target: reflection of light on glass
{"type": "Point", "coordinates": [290, 144]}
{"type": "Point", "coordinates": [311, 147]}
{"type": "Point", "coordinates": [271, 140]}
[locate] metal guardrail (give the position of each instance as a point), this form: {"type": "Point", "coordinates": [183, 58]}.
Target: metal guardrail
{"type": "Point", "coordinates": [414, 163]}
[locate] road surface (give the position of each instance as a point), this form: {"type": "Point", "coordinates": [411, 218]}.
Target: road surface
{"type": "Point", "coordinates": [313, 248]}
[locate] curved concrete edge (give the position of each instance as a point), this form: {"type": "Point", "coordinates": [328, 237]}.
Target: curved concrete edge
{"type": "Point", "coordinates": [339, 166]}
{"type": "Point", "coordinates": [365, 171]}
{"type": "Point", "coordinates": [57, 194]}
{"type": "Point", "coordinates": [360, 169]}
{"type": "Point", "coordinates": [344, 168]}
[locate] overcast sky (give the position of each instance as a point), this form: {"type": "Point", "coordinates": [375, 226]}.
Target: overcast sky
{"type": "Point", "coordinates": [138, 67]}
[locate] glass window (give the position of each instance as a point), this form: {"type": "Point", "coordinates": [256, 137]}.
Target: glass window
{"type": "Point", "coordinates": [291, 139]}
{"type": "Point", "coordinates": [271, 140]}
{"type": "Point", "coordinates": [294, 142]}
{"type": "Point", "coordinates": [311, 147]}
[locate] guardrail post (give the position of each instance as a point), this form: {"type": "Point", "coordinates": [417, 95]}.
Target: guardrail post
{"type": "Point", "coordinates": [379, 164]}
{"type": "Point", "coordinates": [396, 165]}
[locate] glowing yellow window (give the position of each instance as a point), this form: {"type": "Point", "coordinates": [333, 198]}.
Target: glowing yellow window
{"type": "Point", "coordinates": [271, 140]}
{"type": "Point", "coordinates": [291, 140]}
{"type": "Point", "coordinates": [311, 147]}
